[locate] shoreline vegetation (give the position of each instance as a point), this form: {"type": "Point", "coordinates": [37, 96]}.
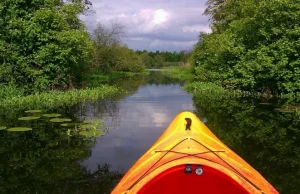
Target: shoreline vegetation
{"type": "Point", "coordinates": [48, 58]}
{"type": "Point", "coordinates": [46, 50]}
{"type": "Point", "coordinates": [200, 88]}
{"type": "Point", "coordinates": [253, 46]}
{"type": "Point", "coordinates": [17, 100]}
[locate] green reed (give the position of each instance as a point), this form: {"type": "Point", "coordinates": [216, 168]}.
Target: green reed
{"type": "Point", "coordinates": [213, 90]}
{"type": "Point", "coordinates": [179, 72]}
{"type": "Point", "coordinates": [9, 91]}
{"type": "Point", "coordinates": [53, 99]}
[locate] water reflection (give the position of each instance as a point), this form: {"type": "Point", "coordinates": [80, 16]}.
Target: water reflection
{"type": "Point", "coordinates": [265, 138]}
{"type": "Point", "coordinates": [47, 160]}
{"type": "Point", "coordinates": [142, 117]}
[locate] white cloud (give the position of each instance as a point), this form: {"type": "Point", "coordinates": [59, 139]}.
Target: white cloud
{"type": "Point", "coordinates": [153, 25]}
{"type": "Point", "coordinates": [160, 17]}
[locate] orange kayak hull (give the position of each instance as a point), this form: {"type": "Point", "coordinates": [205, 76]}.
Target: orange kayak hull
{"type": "Point", "coordinates": [189, 158]}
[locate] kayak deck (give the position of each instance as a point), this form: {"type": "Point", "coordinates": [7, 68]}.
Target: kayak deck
{"type": "Point", "coordinates": [189, 158]}
{"type": "Point", "coordinates": [211, 182]}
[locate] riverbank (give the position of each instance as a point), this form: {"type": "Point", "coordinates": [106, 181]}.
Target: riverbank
{"type": "Point", "coordinates": [13, 99]}
{"type": "Point", "coordinates": [179, 72]}
{"type": "Point", "coordinates": [94, 86]}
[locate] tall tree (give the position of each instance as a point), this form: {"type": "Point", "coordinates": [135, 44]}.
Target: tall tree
{"type": "Point", "coordinates": [107, 37]}
{"type": "Point", "coordinates": [254, 46]}
{"type": "Point", "coordinates": [43, 43]}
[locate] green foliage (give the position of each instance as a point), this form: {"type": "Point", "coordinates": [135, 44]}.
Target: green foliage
{"type": "Point", "coordinates": [253, 46]}
{"type": "Point", "coordinates": [56, 99]}
{"type": "Point", "coordinates": [118, 58]}
{"type": "Point", "coordinates": [9, 91]}
{"type": "Point", "coordinates": [183, 73]}
{"type": "Point", "coordinates": [110, 55]}
{"type": "Point", "coordinates": [159, 61]}
{"type": "Point", "coordinates": [47, 160]}
{"type": "Point", "coordinates": [43, 44]}
{"type": "Point", "coordinates": [147, 60]}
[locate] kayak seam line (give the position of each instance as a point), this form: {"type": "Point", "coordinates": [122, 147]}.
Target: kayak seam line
{"type": "Point", "coordinates": [236, 171]}
{"type": "Point", "coordinates": [190, 154]}
{"type": "Point", "coordinates": [195, 155]}
{"type": "Point", "coordinates": [145, 174]}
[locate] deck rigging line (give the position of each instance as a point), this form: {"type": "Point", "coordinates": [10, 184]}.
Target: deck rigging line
{"type": "Point", "coordinates": [194, 155]}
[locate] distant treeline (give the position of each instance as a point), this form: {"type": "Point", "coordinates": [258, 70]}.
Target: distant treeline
{"type": "Point", "coordinates": [162, 59]}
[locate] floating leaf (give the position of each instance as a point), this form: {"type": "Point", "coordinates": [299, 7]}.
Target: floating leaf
{"type": "Point", "coordinates": [52, 115]}
{"type": "Point", "coordinates": [33, 111]}
{"type": "Point", "coordinates": [70, 124]}
{"type": "Point", "coordinates": [87, 126]}
{"type": "Point", "coordinates": [28, 118]}
{"type": "Point", "coordinates": [60, 120]}
{"type": "Point", "coordinates": [20, 129]}
{"type": "Point", "coordinates": [95, 133]}
{"type": "Point", "coordinates": [2, 128]}
{"type": "Point", "coordinates": [284, 110]}
{"type": "Point", "coordinates": [94, 121]}
{"type": "Point", "coordinates": [265, 103]}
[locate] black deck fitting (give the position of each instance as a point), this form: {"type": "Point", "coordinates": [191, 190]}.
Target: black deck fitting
{"type": "Point", "coordinates": [188, 123]}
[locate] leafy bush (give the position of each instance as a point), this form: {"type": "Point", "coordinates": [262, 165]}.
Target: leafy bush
{"type": "Point", "coordinates": [118, 58]}
{"type": "Point", "coordinates": [43, 44]}
{"type": "Point", "coordinates": [254, 45]}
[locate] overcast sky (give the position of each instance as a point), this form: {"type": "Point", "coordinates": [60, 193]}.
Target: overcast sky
{"type": "Point", "coordinates": [165, 25]}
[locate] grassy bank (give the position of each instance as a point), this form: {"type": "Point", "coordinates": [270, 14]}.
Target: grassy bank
{"type": "Point", "coordinates": [15, 99]}
{"type": "Point", "coordinates": [179, 72]}
{"type": "Point", "coordinates": [213, 90]}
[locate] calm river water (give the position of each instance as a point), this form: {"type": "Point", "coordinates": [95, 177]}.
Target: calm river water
{"type": "Point", "coordinates": [47, 160]}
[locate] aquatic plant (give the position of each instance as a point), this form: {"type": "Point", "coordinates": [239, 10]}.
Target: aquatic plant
{"type": "Point", "coordinates": [19, 129]}
{"type": "Point", "coordinates": [33, 111]}
{"type": "Point", "coordinates": [91, 128]}
{"type": "Point", "coordinates": [70, 124]}
{"type": "Point", "coordinates": [10, 91]}
{"type": "Point", "coordinates": [288, 108]}
{"type": "Point", "coordinates": [214, 90]}
{"type": "Point", "coordinates": [94, 121]}
{"type": "Point", "coordinates": [54, 99]}
{"type": "Point", "coordinates": [51, 115]}
{"type": "Point", "coordinates": [28, 118]}
{"type": "Point", "coordinates": [60, 120]}
{"type": "Point", "coordinates": [92, 133]}
{"type": "Point", "coordinates": [86, 126]}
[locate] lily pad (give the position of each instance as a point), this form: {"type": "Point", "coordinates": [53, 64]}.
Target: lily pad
{"type": "Point", "coordinates": [96, 133]}
{"type": "Point", "coordinates": [87, 126]}
{"type": "Point", "coordinates": [70, 124]}
{"type": "Point", "coordinates": [33, 111]}
{"type": "Point", "coordinates": [284, 110]}
{"type": "Point", "coordinates": [52, 115]}
{"type": "Point", "coordinates": [266, 103]}
{"type": "Point", "coordinates": [94, 121]}
{"type": "Point", "coordinates": [20, 129]}
{"type": "Point", "coordinates": [60, 120]}
{"type": "Point", "coordinates": [28, 118]}
{"type": "Point", "coordinates": [2, 128]}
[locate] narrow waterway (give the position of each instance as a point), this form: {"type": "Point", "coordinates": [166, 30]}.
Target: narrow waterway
{"type": "Point", "coordinates": [139, 121]}
{"type": "Point", "coordinates": [49, 160]}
